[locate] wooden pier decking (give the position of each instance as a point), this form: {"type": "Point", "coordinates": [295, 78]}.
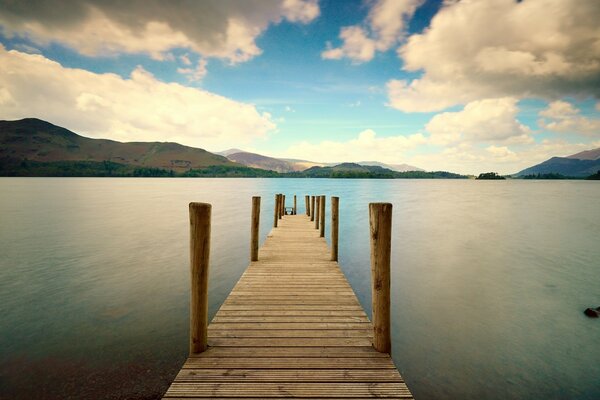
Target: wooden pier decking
{"type": "Point", "coordinates": [292, 327]}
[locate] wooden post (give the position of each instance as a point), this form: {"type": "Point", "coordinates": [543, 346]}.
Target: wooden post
{"type": "Point", "coordinates": [322, 222]}
{"type": "Point", "coordinates": [199, 260]}
{"type": "Point", "coordinates": [283, 205]}
{"type": "Point", "coordinates": [312, 208]}
{"type": "Point", "coordinates": [380, 217]}
{"type": "Point", "coordinates": [335, 222]}
{"type": "Point", "coordinates": [254, 228]}
{"type": "Point", "coordinates": [307, 204]}
{"type": "Point", "coordinates": [317, 211]}
{"type": "Point", "coordinates": [294, 205]}
{"type": "Point", "coordinates": [276, 212]}
{"type": "Point", "coordinates": [279, 212]}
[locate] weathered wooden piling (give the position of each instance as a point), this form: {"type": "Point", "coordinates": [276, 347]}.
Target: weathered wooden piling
{"type": "Point", "coordinates": [317, 211]}
{"type": "Point", "coordinates": [294, 212]}
{"type": "Point", "coordinates": [283, 205]}
{"type": "Point", "coordinates": [254, 225]}
{"type": "Point", "coordinates": [312, 208]}
{"type": "Point", "coordinates": [276, 211]}
{"type": "Point", "coordinates": [322, 212]}
{"type": "Point", "coordinates": [335, 223]}
{"type": "Point", "coordinates": [380, 218]}
{"type": "Point", "coordinates": [279, 206]}
{"type": "Point", "coordinates": [199, 261]}
{"type": "Point", "coordinates": [307, 204]}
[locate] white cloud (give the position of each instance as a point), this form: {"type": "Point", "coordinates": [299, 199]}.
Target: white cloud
{"type": "Point", "coordinates": [225, 29]}
{"type": "Point", "coordinates": [195, 74]}
{"type": "Point", "coordinates": [185, 59]}
{"type": "Point", "coordinates": [383, 28]}
{"type": "Point", "coordinates": [138, 108]}
{"type": "Point", "coordinates": [497, 48]}
{"type": "Point", "coordinates": [366, 146]}
{"type": "Point", "coordinates": [473, 159]}
{"type": "Point", "coordinates": [303, 11]}
{"type": "Point", "coordinates": [489, 120]}
{"type": "Point", "coordinates": [562, 116]}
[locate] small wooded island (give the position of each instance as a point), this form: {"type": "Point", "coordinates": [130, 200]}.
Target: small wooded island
{"type": "Point", "coordinates": [490, 176]}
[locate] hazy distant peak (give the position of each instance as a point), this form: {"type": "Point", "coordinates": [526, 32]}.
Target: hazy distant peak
{"type": "Point", "coordinates": [593, 154]}
{"type": "Point", "coordinates": [228, 152]}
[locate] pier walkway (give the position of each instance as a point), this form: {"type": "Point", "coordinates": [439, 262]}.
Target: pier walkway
{"type": "Point", "coordinates": [292, 327]}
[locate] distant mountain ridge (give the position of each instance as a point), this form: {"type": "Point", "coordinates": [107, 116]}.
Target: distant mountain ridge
{"type": "Point", "coordinates": [36, 140]}
{"type": "Point", "coordinates": [578, 165]}
{"type": "Point", "coordinates": [254, 160]}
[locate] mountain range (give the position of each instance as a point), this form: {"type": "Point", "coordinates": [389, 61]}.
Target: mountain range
{"type": "Point", "coordinates": [578, 165]}
{"type": "Point", "coordinates": [32, 147]}
{"type": "Point", "coordinates": [39, 141]}
{"type": "Point", "coordinates": [292, 165]}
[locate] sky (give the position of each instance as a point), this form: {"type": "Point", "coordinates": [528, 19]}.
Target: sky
{"type": "Point", "coordinates": [466, 86]}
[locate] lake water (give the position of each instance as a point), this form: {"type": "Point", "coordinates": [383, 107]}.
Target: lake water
{"type": "Point", "coordinates": [489, 280]}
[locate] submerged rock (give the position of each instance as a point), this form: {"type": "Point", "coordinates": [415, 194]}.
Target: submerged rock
{"type": "Point", "coordinates": [592, 312]}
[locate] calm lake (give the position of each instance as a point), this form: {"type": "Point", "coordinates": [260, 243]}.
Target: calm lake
{"type": "Point", "coordinates": [489, 280]}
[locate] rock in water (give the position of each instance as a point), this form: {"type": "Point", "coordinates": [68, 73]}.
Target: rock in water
{"type": "Point", "coordinates": [592, 312]}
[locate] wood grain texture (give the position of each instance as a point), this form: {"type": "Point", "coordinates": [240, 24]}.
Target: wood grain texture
{"type": "Point", "coordinates": [254, 228]}
{"type": "Point", "coordinates": [199, 261]}
{"type": "Point", "coordinates": [291, 328]}
{"type": "Point", "coordinates": [380, 219]}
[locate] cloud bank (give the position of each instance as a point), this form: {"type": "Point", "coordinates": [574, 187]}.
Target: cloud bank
{"type": "Point", "coordinates": [137, 108]}
{"type": "Point", "coordinates": [497, 48]}
{"type": "Point", "coordinates": [225, 29]}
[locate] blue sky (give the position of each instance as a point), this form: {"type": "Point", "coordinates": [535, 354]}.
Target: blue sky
{"type": "Point", "coordinates": [462, 86]}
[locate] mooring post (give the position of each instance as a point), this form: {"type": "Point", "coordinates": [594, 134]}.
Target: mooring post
{"type": "Point", "coordinates": [380, 218]}
{"type": "Point", "coordinates": [283, 205]}
{"type": "Point", "coordinates": [254, 228]}
{"type": "Point", "coordinates": [280, 206]}
{"type": "Point", "coordinates": [294, 205]}
{"type": "Point", "coordinates": [276, 211]}
{"type": "Point", "coordinates": [312, 208]}
{"type": "Point", "coordinates": [335, 223]}
{"type": "Point", "coordinates": [307, 204]}
{"type": "Point", "coordinates": [199, 260]}
{"type": "Point", "coordinates": [322, 222]}
{"type": "Point", "coordinates": [317, 211]}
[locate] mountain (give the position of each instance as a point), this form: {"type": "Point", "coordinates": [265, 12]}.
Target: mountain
{"type": "Point", "coordinates": [227, 152]}
{"type": "Point", "coordinates": [39, 141]}
{"type": "Point", "coordinates": [354, 170]}
{"type": "Point", "coordinates": [393, 167]}
{"type": "Point", "coordinates": [577, 165]}
{"type": "Point", "coordinates": [587, 155]}
{"type": "Point", "coordinates": [254, 160]}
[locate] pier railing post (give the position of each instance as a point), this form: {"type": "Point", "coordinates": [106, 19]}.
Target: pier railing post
{"type": "Point", "coordinates": [317, 211]}
{"type": "Point", "coordinates": [279, 206]}
{"type": "Point", "coordinates": [199, 260]}
{"type": "Point", "coordinates": [276, 211]}
{"type": "Point", "coordinates": [335, 224]}
{"type": "Point", "coordinates": [307, 204]}
{"type": "Point", "coordinates": [322, 222]}
{"type": "Point", "coordinates": [294, 205]}
{"type": "Point", "coordinates": [380, 218]}
{"type": "Point", "coordinates": [254, 228]}
{"type": "Point", "coordinates": [312, 208]}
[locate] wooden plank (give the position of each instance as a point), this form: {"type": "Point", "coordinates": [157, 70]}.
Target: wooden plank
{"type": "Point", "coordinates": [306, 389]}
{"type": "Point", "coordinates": [290, 362]}
{"type": "Point", "coordinates": [288, 375]}
{"type": "Point", "coordinates": [305, 352]}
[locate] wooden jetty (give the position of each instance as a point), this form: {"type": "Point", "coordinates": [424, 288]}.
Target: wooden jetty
{"type": "Point", "coordinates": [292, 326]}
